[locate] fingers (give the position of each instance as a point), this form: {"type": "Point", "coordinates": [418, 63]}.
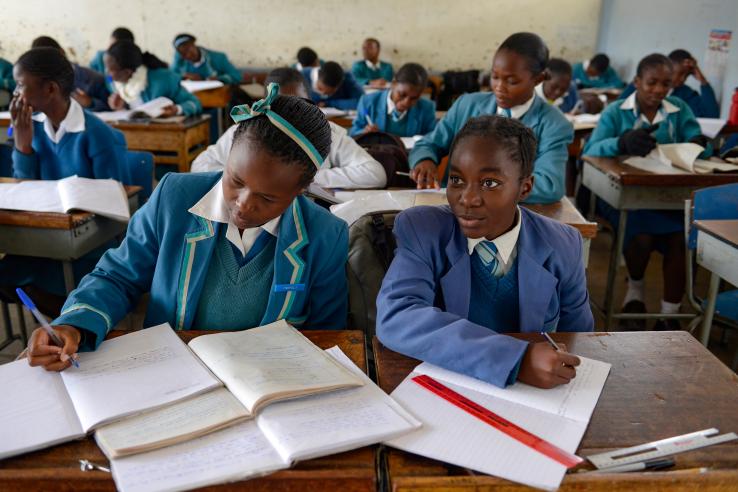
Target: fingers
{"type": "Point", "coordinates": [59, 365]}
{"type": "Point", "coordinates": [565, 372]}
{"type": "Point", "coordinates": [569, 360]}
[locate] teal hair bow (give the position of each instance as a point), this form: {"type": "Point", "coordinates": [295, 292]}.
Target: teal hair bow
{"type": "Point", "coordinates": [263, 107]}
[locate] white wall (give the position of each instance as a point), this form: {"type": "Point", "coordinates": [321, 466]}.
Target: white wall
{"type": "Point", "coordinates": [442, 34]}
{"type": "Point", "coordinates": [632, 29]}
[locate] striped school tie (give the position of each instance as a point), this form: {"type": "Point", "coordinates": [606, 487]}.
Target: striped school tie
{"type": "Point", "coordinates": [487, 252]}
{"type": "Point", "coordinates": [506, 112]}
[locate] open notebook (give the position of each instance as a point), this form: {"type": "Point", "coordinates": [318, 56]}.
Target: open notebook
{"type": "Point", "coordinates": [559, 416]}
{"type": "Point", "coordinates": [152, 368]}
{"type": "Point", "coordinates": [201, 85]}
{"type": "Point", "coordinates": [105, 197]}
{"type": "Point", "coordinates": [281, 434]}
{"type": "Point", "coordinates": [359, 203]}
{"type": "Point", "coordinates": [146, 111]}
{"type": "Point", "coordinates": [679, 158]}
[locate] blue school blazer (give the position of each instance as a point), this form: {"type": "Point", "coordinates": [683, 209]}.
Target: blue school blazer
{"type": "Point", "coordinates": [703, 104]}
{"type": "Point", "coordinates": [7, 82]}
{"type": "Point", "coordinates": [98, 61]}
{"type": "Point", "coordinates": [552, 130]}
{"type": "Point", "coordinates": [421, 118]}
{"type": "Point", "coordinates": [167, 252]}
{"type": "Point", "coordinates": [216, 64]}
{"type": "Point", "coordinates": [346, 97]}
{"type": "Point", "coordinates": [162, 82]}
{"type": "Point", "coordinates": [423, 305]}
{"type": "Point", "coordinates": [608, 80]}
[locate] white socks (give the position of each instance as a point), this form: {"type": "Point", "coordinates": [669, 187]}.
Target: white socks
{"type": "Point", "coordinates": [670, 307]}
{"type": "Point", "coordinates": [635, 292]}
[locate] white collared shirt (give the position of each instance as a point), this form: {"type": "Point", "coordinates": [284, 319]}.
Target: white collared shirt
{"type": "Point", "coordinates": [517, 112]}
{"type": "Point", "coordinates": [212, 206]}
{"type": "Point", "coordinates": [372, 65]}
{"type": "Point", "coordinates": [585, 66]}
{"type": "Point", "coordinates": [73, 122]}
{"type": "Point", "coordinates": [201, 60]}
{"type": "Point", "coordinates": [556, 102]}
{"type": "Point", "coordinates": [506, 244]}
{"type": "Point", "coordinates": [314, 79]}
{"type": "Point", "coordinates": [391, 106]}
{"type": "Point", "coordinates": [631, 104]}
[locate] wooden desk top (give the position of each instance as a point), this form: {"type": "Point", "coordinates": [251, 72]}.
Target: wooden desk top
{"type": "Point", "coordinates": [57, 468]}
{"type": "Point", "coordinates": [661, 384]}
{"type": "Point", "coordinates": [565, 212]}
{"type": "Point", "coordinates": [629, 175]}
{"type": "Point", "coordinates": [219, 97]}
{"type": "Point", "coordinates": [189, 122]}
{"type": "Point", "coordinates": [50, 220]}
{"type": "Point", "coordinates": [725, 230]}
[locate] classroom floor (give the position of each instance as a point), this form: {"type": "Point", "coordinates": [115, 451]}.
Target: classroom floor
{"type": "Point", "coordinates": [597, 276]}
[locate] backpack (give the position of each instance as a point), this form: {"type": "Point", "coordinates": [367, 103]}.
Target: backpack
{"type": "Point", "coordinates": [456, 84]}
{"type": "Point", "coordinates": [391, 153]}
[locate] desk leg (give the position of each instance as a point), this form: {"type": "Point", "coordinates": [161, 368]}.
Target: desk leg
{"type": "Point", "coordinates": [585, 251]}
{"type": "Point", "coordinates": [617, 247]}
{"type": "Point", "coordinates": [219, 113]}
{"type": "Point", "coordinates": [710, 309]}
{"type": "Point", "coordinates": [5, 316]}
{"type": "Point", "coordinates": [68, 276]}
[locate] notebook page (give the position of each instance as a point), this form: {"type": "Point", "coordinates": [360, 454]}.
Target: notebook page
{"type": "Point", "coordinates": [334, 422]}
{"type": "Point", "coordinates": [34, 196]}
{"type": "Point", "coordinates": [575, 400]}
{"type": "Point", "coordinates": [231, 454]}
{"type": "Point", "coordinates": [711, 126]}
{"type": "Point", "coordinates": [133, 373]}
{"type": "Point", "coordinates": [105, 197]}
{"type": "Point", "coordinates": [681, 155]}
{"type": "Point", "coordinates": [154, 107]}
{"type": "Point", "coordinates": [452, 435]}
{"type": "Point", "coordinates": [168, 425]}
{"type": "Point", "coordinates": [201, 85]}
{"type": "Point", "coordinates": [110, 116]}
{"type": "Point", "coordinates": [705, 166]}
{"type": "Point", "coordinates": [274, 361]}
{"type": "Point", "coordinates": [36, 411]}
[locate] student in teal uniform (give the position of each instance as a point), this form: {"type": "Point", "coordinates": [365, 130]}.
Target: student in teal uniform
{"type": "Point", "coordinates": [558, 88]}
{"type": "Point", "coordinates": [7, 84]}
{"type": "Point", "coordinates": [54, 138]}
{"type": "Point", "coordinates": [371, 70]}
{"type": "Point", "coordinates": [227, 250]}
{"type": "Point", "coordinates": [400, 110]}
{"type": "Point", "coordinates": [140, 77]}
{"type": "Point", "coordinates": [119, 34]}
{"type": "Point", "coordinates": [330, 86]}
{"type": "Point", "coordinates": [596, 73]}
{"type": "Point", "coordinates": [466, 275]}
{"type": "Point", "coordinates": [194, 62]}
{"type": "Point", "coordinates": [518, 67]}
{"type": "Point", "coordinates": [634, 127]}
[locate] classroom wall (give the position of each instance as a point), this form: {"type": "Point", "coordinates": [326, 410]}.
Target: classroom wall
{"type": "Point", "coordinates": [632, 29]}
{"type": "Point", "coordinates": [442, 34]}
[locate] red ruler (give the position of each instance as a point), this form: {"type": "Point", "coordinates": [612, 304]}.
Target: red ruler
{"type": "Point", "coordinates": [503, 425]}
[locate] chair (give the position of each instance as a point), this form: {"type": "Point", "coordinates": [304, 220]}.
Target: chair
{"type": "Point", "coordinates": [715, 203]}
{"type": "Point", "coordinates": [139, 171]}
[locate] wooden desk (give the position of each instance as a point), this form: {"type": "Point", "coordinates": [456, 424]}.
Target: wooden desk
{"type": "Point", "coordinates": [628, 188]}
{"type": "Point", "coordinates": [219, 99]}
{"type": "Point", "coordinates": [171, 143]}
{"type": "Point", "coordinates": [661, 384]}
{"type": "Point", "coordinates": [57, 236]}
{"type": "Point", "coordinates": [345, 121]}
{"type": "Point", "coordinates": [57, 468]}
{"type": "Point", "coordinates": [717, 251]}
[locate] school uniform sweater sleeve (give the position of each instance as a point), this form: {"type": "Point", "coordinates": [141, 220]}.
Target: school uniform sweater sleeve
{"type": "Point", "coordinates": [122, 275]}
{"type": "Point", "coordinates": [227, 73]}
{"type": "Point", "coordinates": [427, 117]}
{"type": "Point", "coordinates": [179, 64]}
{"type": "Point", "coordinates": [709, 107]}
{"type": "Point", "coordinates": [549, 168]}
{"type": "Point", "coordinates": [7, 82]}
{"type": "Point", "coordinates": [611, 79]}
{"type": "Point", "coordinates": [348, 94]}
{"type": "Point", "coordinates": [436, 144]}
{"type": "Point", "coordinates": [604, 139]}
{"type": "Point", "coordinates": [408, 321]}
{"type": "Point", "coordinates": [25, 166]}
{"type": "Point", "coordinates": [360, 72]}
{"type": "Point", "coordinates": [351, 165]}
{"type": "Point", "coordinates": [362, 110]}
{"type": "Point", "coordinates": [575, 313]}
{"type": "Point", "coordinates": [189, 103]}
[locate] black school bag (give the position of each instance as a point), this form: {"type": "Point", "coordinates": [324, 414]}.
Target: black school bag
{"type": "Point", "coordinates": [390, 152]}
{"type": "Point", "coordinates": [456, 84]}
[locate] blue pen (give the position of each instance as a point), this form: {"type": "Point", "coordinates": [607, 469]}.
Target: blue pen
{"type": "Point", "coordinates": [10, 131]}
{"type": "Point", "coordinates": [44, 324]}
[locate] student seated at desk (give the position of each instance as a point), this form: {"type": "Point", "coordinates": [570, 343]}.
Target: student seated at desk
{"type": "Point", "coordinates": [140, 77]}
{"type": "Point", "coordinates": [229, 250]}
{"type": "Point", "coordinates": [90, 90]}
{"type": "Point", "coordinates": [307, 58]}
{"type": "Point", "coordinates": [7, 83]}
{"type": "Point", "coordinates": [330, 87]}
{"type": "Point", "coordinates": [371, 70]}
{"type": "Point", "coordinates": [61, 139]}
{"type": "Point", "coordinates": [596, 73]}
{"type": "Point", "coordinates": [348, 165]}
{"type": "Point", "coordinates": [399, 110]}
{"type": "Point", "coordinates": [465, 274]}
{"type": "Point", "coordinates": [119, 34]}
{"type": "Point", "coordinates": [518, 67]}
{"type": "Point", "coordinates": [194, 62]}
{"type": "Point", "coordinates": [558, 89]}
{"type": "Point", "coordinates": [634, 127]}
{"type": "Point", "coordinates": [703, 103]}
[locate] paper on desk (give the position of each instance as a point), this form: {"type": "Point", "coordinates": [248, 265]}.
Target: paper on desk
{"type": "Point", "coordinates": [150, 109]}
{"type": "Point", "coordinates": [584, 120]}
{"type": "Point", "coordinates": [365, 202]}
{"type": "Point", "coordinates": [711, 126]}
{"type": "Point", "coordinates": [575, 400]}
{"type": "Point", "coordinates": [201, 85]}
{"type": "Point", "coordinates": [4, 115]}
{"type": "Point", "coordinates": [409, 142]}
{"type": "Point", "coordinates": [333, 112]}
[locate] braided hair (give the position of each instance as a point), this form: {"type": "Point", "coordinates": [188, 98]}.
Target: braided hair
{"type": "Point", "coordinates": [516, 139]}
{"type": "Point", "coordinates": [306, 117]}
{"type": "Point", "coordinates": [50, 65]}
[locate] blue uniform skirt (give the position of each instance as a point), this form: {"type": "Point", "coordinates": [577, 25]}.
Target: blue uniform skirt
{"type": "Point", "coordinates": [654, 222]}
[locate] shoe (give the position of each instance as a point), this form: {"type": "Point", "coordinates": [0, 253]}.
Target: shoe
{"type": "Point", "coordinates": [667, 325]}
{"type": "Point", "coordinates": [633, 307]}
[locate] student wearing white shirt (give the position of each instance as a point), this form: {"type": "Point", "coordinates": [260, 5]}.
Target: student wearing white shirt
{"type": "Point", "coordinates": [347, 165]}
